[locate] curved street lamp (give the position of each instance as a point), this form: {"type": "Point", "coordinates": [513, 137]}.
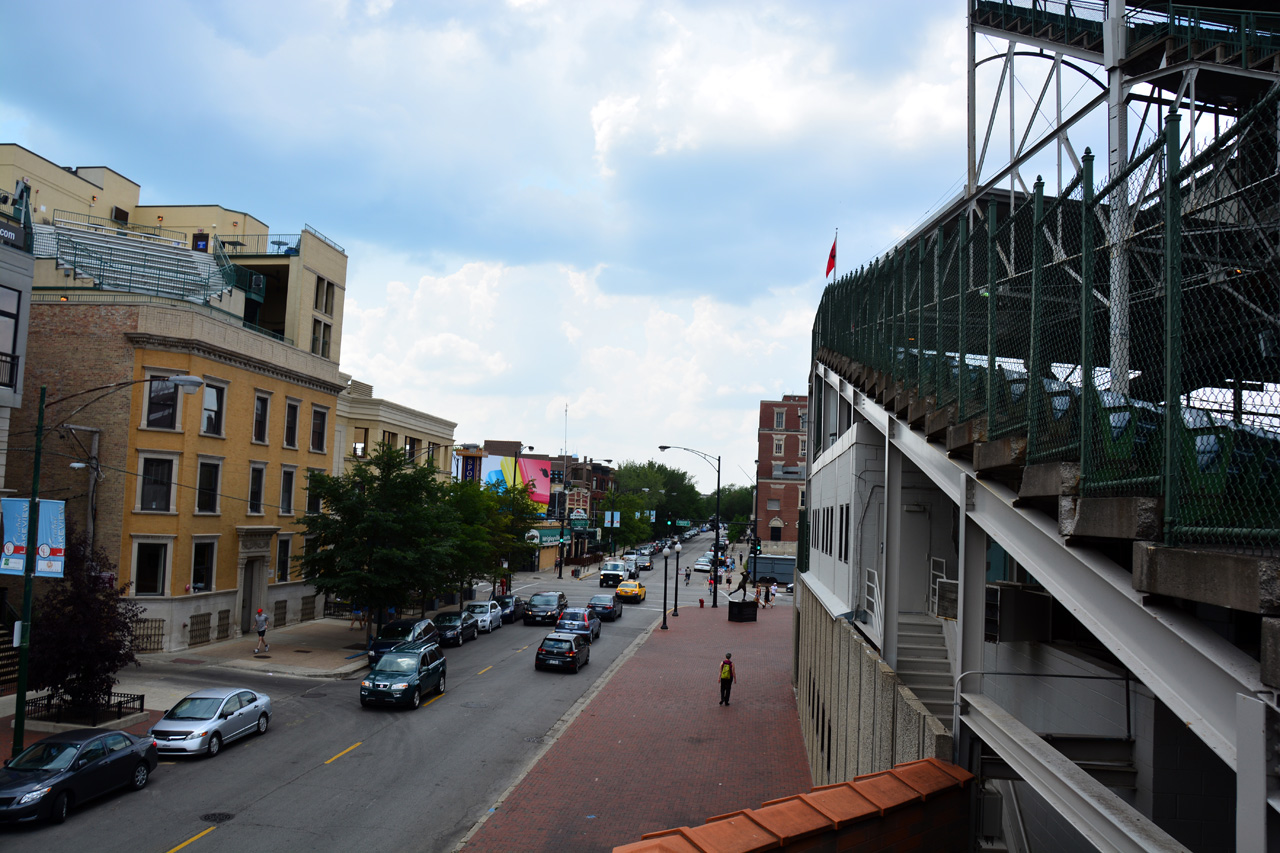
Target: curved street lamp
{"type": "Point", "coordinates": [715, 548]}
{"type": "Point", "coordinates": [189, 385]}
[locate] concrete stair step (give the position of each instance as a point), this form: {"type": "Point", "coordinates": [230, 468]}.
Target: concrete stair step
{"type": "Point", "coordinates": [924, 664]}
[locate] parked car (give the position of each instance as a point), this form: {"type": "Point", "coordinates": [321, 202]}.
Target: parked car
{"type": "Point", "coordinates": [606, 606]}
{"type": "Point", "coordinates": [580, 620]}
{"type": "Point", "coordinates": [561, 650]}
{"type": "Point", "coordinates": [402, 631]}
{"type": "Point", "coordinates": [63, 770]}
{"type": "Point", "coordinates": [703, 564]}
{"type": "Point", "coordinates": [205, 720]}
{"type": "Point", "coordinates": [545, 608]}
{"type": "Point", "coordinates": [488, 615]}
{"type": "Point", "coordinates": [454, 627]}
{"type": "Point", "coordinates": [403, 675]}
{"type": "Point", "coordinates": [631, 591]}
{"type": "Point", "coordinates": [512, 607]}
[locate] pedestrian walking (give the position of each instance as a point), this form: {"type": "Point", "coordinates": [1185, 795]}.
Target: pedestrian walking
{"type": "Point", "coordinates": [261, 621]}
{"type": "Point", "coordinates": [357, 618]}
{"type": "Point", "coordinates": [773, 593]}
{"type": "Point", "coordinates": [728, 676]}
{"type": "Point", "coordinates": [757, 595]}
{"type": "Point", "coordinates": [688, 573]}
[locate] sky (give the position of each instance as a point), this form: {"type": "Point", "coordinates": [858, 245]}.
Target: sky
{"type": "Point", "coordinates": [598, 226]}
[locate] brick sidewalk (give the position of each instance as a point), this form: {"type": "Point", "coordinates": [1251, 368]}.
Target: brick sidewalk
{"type": "Point", "coordinates": [654, 749]}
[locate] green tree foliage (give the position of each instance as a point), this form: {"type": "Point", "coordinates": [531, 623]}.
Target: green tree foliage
{"type": "Point", "coordinates": [735, 509]}
{"type": "Point", "coordinates": [84, 628]}
{"type": "Point", "coordinates": [385, 532]}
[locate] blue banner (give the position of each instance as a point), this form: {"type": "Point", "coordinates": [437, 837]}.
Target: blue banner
{"type": "Point", "coordinates": [51, 537]}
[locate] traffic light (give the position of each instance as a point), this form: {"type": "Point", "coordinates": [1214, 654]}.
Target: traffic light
{"type": "Point", "coordinates": [755, 546]}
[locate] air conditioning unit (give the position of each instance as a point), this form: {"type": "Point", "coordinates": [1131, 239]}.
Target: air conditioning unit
{"type": "Point", "coordinates": [258, 283]}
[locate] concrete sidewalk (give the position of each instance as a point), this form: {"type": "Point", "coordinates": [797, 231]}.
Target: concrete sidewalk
{"type": "Point", "coordinates": [652, 748]}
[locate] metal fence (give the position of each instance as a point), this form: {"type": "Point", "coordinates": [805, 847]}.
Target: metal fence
{"type": "Point", "coordinates": [55, 708]}
{"type": "Point", "coordinates": [1131, 325]}
{"type": "Point", "coordinates": [148, 635]}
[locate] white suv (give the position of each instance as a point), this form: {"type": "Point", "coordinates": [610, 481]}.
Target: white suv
{"type": "Point", "coordinates": [488, 614]}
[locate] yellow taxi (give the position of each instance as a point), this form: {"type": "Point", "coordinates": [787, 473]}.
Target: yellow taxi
{"type": "Point", "coordinates": [631, 591]}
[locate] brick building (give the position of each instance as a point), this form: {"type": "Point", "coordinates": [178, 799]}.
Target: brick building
{"type": "Point", "coordinates": [780, 472]}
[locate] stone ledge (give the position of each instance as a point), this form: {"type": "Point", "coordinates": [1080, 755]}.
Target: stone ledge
{"type": "Point", "coordinates": [122, 723]}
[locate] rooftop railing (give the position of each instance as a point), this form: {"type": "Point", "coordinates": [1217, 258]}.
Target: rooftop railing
{"type": "Point", "coordinates": [260, 244]}
{"type": "Point", "coordinates": [102, 223]}
{"type": "Point", "coordinates": [1131, 325]}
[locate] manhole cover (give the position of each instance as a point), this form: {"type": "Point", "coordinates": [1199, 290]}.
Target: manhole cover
{"type": "Point", "coordinates": [217, 817]}
{"type": "Point", "coordinates": [302, 651]}
{"type": "Point", "coordinates": [314, 695]}
{"type": "Point", "coordinates": [475, 705]}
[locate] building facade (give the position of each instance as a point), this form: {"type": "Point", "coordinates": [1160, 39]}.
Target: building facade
{"type": "Point", "coordinates": [365, 421]}
{"type": "Point", "coordinates": [783, 446]}
{"type": "Point", "coordinates": [196, 497]}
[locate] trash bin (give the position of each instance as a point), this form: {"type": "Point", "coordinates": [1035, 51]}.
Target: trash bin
{"type": "Point", "coordinates": [470, 594]}
{"type": "Point", "coordinates": [575, 571]}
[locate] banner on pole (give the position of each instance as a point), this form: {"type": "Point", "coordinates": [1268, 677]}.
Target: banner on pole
{"type": "Point", "coordinates": [51, 537]}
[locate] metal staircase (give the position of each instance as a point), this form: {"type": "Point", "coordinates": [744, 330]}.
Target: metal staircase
{"type": "Point", "coordinates": [923, 664]}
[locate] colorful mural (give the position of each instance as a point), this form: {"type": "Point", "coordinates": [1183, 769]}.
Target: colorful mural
{"type": "Point", "coordinates": [535, 472]}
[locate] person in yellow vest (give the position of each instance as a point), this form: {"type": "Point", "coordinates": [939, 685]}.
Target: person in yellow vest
{"type": "Point", "coordinates": [728, 677]}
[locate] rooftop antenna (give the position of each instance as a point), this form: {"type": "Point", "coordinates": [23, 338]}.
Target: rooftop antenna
{"type": "Point", "coordinates": [565, 450]}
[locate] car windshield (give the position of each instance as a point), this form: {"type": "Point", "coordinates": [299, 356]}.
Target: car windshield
{"type": "Point", "coordinates": [46, 755]}
{"type": "Point", "coordinates": [399, 663]}
{"type": "Point", "coordinates": [613, 567]}
{"type": "Point", "coordinates": [545, 599]}
{"type": "Point", "coordinates": [395, 632]}
{"type": "Point", "coordinates": [606, 600]}
{"type": "Point", "coordinates": [194, 708]}
{"type": "Point", "coordinates": [506, 600]}
{"type": "Point", "coordinates": [449, 618]}
{"type": "Point", "coordinates": [556, 645]}
{"type": "Point", "coordinates": [478, 608]}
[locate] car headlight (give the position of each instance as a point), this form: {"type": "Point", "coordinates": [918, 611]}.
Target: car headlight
{"type": "Point", "coordinates": [33, 797]}
{"type": "Point", "coordinates": [403, 685]}
{"type": "Point", "coordinates": [196, 735]}
{"type": "Point", "coordinates": [366, 684]}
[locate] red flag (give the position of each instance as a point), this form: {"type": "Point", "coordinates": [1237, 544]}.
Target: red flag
{"type": "Point", "coordinates": [831, 259]}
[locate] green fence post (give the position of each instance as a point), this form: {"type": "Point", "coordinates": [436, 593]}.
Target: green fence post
{"type": "Point", "coordinates": [992, 258]}
{"type": "Point", "coordinates": [1172, 331]}
{"type": "Point", "coordinates": [920, 261]}
{"type": "Point", "coordinates": [1035, 387]}
{"type": "Point", "coordinates": [1087, 391]}
{"type": "Point", "coordinates": [937, 314]}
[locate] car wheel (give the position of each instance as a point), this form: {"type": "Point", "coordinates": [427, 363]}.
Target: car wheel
{"type": "Point", "coordinates": [263, 722]}
{"type": "Point", "coordinates": [140, 775]}
{"type": "Point", "coordinates": [440, 686]}
{"type": "Point", "coordinates": [416, 699]}
{"type": "Point", "coordinates": [215, 745]}
{"type": "Point", "coordinates": [61, 805]}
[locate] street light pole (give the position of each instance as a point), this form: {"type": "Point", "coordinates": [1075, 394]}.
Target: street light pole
{"type": "Point", "coordinates": [666, 552]}
{"type": "Point", "coordinates": [189, 385]}
{"type": "Point", "coordinates": [715, 550]}
{"type": "Point", "coordinates": [675, 611]}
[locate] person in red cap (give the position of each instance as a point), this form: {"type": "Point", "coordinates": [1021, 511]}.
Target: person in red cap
{"type": "Point", "coordinates": [261, 621]}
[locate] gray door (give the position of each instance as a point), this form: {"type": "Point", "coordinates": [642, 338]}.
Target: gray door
{"type": "Point", "coordinates": [249, 594]}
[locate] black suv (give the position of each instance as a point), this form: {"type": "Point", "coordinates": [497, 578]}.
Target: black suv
{"type": "Point", "coordinates": [562, 650]}
{"type": "Point", "coordinates": [403, 674]}
{"type": "Point", "coordinates": [402, 631]}
{"type": "Point", "coordinates": [545, 608]}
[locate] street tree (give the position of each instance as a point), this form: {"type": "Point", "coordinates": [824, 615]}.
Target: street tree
{"type": "Point", "coordinates": [84, 628]}
{"type": "Point", "coordinates": [516, 516]}
{"type": "Point", "coordinates": [384, 532]}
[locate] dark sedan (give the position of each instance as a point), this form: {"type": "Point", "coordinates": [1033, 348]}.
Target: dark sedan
{"type": "Point", "coordinates": [64, 770]}
{"type": "Point", "coordinates": [579, 621]}
{"type": "Point", "coordinates": [402, 631]}
{"type": "Point", "coordinates": [512, 607]}
{"type": "Point", "coordinates": [455, 627]}
{"type": "Point", "coordinates": [545, 608]}
{"type": "Point", "coordinates": [606, 606]}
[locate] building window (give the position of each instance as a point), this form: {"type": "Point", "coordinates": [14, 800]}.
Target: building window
{"type": "Point", "coordinates": [324, 296]}
{"type": "Point", "coordinates": [804, 446]}
{"type": "Point", "coordinates": [780, 419]}
{"type": "Point", "coordinates": [321, 332]}
{"type": "Point", "coordinates": [313, 498]}
{"type": "Point", "coordinates": [286, 491]}
{"type": "Point", "coordinates": [10, 301]}
{"type": "Point", "coordinates": [150, 566]}
{"type": "Point", "coordinates": [291, 408]}
{"type": "Point", "coordinates": [261, 411]}
{"type": "Point", "coordinates": [319, 428]}
{"type": "Point", "coordinates": [155, 490]}
{"type": "Point", "coordinates": [283, 545]}
{"type": "Point", "coordinates": [804, 420]}
{"type": "Point", "coordinates": [773, 505]}
{"type": "Point", "coordinates": [215, 397]}
{"type": "Point", "coordinates": [433, 451]}
{"type": "Point", "coordinates": [257, 476]}
{"type": "Point", "coordinates": [389, 438]}
{"type": "Point", "coordinates": [411, 448]}
{"type": "Point", "coordinates": [208, 482]}
{"type": "Point", "coordinates": [778, 445]}
{"type": "Point", "coordinates": [162, 404]}
{"type": "Point", "coordinates": [360, 446]}
{"type": "Point", "coordinates": [203, 561]}
{"type": "Point", "coordinates": [802, 498]}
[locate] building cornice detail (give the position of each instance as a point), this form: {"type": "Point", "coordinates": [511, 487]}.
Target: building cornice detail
{"type": "Point", "coordinates": [215, 353]}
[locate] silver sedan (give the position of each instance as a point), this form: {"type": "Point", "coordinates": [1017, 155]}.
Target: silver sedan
{"type": "Point", "coordinates": [209, 718]}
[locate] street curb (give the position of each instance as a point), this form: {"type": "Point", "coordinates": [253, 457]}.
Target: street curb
{"type": "Point", "coordinates": [558, 727]}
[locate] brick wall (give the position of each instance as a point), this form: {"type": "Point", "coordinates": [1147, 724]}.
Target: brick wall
{"type": "Point", "coordinates": [785, 491]}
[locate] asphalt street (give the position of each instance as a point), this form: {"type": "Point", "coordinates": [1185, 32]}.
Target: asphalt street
{"type": "Point", "coordinates": [330, 775]}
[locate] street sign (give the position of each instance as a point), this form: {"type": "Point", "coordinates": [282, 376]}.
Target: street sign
{"type": "Point", "coordinates": [578, 523]}
{"type": "Point", "coordinates": [682, 523]}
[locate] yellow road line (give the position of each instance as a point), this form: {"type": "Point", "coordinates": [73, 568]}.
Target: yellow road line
{"type": "Point", "coordinates": [193, 838]}
{"type": "Point", "coordinates": [344, 752]}
{"type": "Point", "coordinates": [522, 648]}
{"type": "Point", "coordinates": [432, 699]}
{"type": "Point", "coordinates": [483, 671]}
